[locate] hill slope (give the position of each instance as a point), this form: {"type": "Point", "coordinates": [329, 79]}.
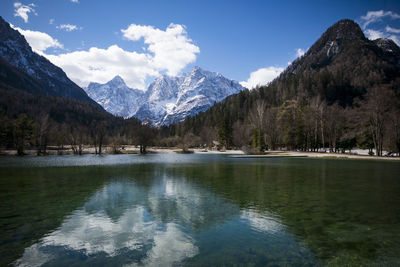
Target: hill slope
{"type": "Point", "coordinates": [344, 90]}
{"type": "Point", "coordinates": [52, 80]}
{"type": "Point", "coordinates": [340, 66]}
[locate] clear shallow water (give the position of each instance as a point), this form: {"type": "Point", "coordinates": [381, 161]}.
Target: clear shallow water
{"type": "Point", "coordinates": [161, 210]}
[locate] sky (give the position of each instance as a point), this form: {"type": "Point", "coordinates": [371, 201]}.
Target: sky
{"type": "Point", "coordinates": [249, 41]}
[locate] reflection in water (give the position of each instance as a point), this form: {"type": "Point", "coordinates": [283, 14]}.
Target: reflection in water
{"type": "Point", "coordinates": [201, 211]}
{"type": "Point", "coordinates": [95, 233]}
{"type": "Point", "coordinates": [141, 224]}
{"type": "Point", "coordinates": [115, 220]}
{"type": "Point", "coordinates": [261, 222]}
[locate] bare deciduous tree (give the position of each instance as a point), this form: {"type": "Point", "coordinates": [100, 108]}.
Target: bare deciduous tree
{"type": "Point", "coordinates": [42, 134]}
{"type": "Point", "coordinates": [208, 135]}
{"type": "Point", "coordinates": [241, 134]}
{"type": "Point", "coordinates": [375, 109]}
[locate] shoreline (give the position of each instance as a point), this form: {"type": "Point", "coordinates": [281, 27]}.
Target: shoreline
{"type": "Point", "coordinates": [296, 154]}
{"type": "Point", "coordinates": [233, 153]}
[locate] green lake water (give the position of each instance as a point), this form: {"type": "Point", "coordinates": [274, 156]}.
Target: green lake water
{"type": "Point", "coordinates": [198, 210]}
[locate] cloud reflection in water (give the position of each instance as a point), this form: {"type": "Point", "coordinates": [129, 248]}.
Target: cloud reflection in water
{"type": "Point", "coordinates": [143, 223]}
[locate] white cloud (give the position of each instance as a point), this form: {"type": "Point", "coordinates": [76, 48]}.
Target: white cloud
{"type": "Point", "coordinates": [23, 10]}
{"type": "Point", "coordinates": [262, 77]}
{"type": "Point", "coordinates": [380, 32]}
{"type": "Point", "coordinates": [101, 65]}
{"type": "Point", "coordinates": [167, 51]}
{"type": "Point", "coordinates": [69, 27]}
{"type": "Point", "coordinates": [392, 30]}
{"type": "Point", "coordinates": [172, 48]}
{"type": "Point", "coordinates": [51, 21]}
{"type": "Point", "coordinates": [299, 52]}
{"type": "Point", "coordinates": [373, 16]}
{"type": "Point", "coordinates": [75, 1]}
{"type": "Point", "coordinates": [374, 34]}
{"type": "Point", "coordinates": [39, 41]}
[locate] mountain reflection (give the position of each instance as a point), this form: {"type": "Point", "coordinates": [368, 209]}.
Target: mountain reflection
{"type": "Point", "coordinates": [150, 224]}
{"type": "Point", "coordinates": [214, 211]}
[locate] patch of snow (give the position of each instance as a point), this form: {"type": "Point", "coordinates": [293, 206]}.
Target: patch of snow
{"type": "Point", "coordinates": [167, 99]}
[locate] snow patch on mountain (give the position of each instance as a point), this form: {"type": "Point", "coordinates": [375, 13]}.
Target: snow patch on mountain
{"type": "Point", "coordinates": [116, 97]}
{"type": "Point", "coordinates": [167, 99]}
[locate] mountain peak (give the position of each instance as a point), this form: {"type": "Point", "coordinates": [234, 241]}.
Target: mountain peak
{"type": "Point", "coordinates": [197, 69]}
{"type": "Point", "coordinates": [334, 38]}
{"type": "Point", "coordinates": [117, 79]}
{"type": "Point", "coordinates": [7, 33]}
{"type": "Point", "coordinates": [114, 95]}
{"type": "Point", "coordinates": [345, 58]}
{"type": "Point", "coordinates": [344, 29]}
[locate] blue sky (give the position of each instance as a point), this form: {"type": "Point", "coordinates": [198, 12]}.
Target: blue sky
{"type": "Point", "coordinates": [235, 38]}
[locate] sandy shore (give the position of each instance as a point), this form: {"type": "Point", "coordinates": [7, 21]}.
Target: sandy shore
{"type": "Point", "coordinates": [341, 155]}
{"type": "Point", "coordinates": [196, 151]}
{"type": "Point", "coordinates": [315, 155]}
{"type": "Point", "coordinates": [241, 154]}
{"type": "Point", "coordinates": [233, 153]}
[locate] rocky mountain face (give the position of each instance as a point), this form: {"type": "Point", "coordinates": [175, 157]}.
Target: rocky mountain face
{"type": "Point", "coordinates": [332, 43]}
{"type": "Point", "coordinates": [167, 99]}
{"type": "Point", "coordinates": [52, 80]}
{"type": "Point", "coordinates": [340, 66]}
{"type": "Point", "coordinates": [114, 96]}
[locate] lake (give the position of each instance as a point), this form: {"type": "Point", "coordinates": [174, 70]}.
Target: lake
{"type": "Point", "coordinates": [198, 210]}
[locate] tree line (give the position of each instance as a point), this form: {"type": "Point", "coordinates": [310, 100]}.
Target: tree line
{"type": "Point", "coordinates": [25, 132]}
{"type": "Point", "coordinates": [372, 123]}
{"type": "Point", "coordinates": [29, 121]}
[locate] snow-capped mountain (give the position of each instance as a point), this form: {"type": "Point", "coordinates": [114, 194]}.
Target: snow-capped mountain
{"type": "Point", "coordinates": [167, 99]}
{"type": "Point", "coordinates": [116, 97]}
{"type": "Point", "coordinates": [197, 92]}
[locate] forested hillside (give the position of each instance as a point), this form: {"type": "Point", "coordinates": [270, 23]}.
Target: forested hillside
{"type": "Point", "coordinates": [37, 121]}
{"type": "Point", "coordinates": [343, 93]}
